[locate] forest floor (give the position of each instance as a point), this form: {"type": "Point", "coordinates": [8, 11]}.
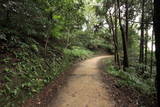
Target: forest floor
{"type": "Point", "coordinates": [85, 85]}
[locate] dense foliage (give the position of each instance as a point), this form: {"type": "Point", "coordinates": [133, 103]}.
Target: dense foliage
{"type": "Point", "coordinates": [39, 39]}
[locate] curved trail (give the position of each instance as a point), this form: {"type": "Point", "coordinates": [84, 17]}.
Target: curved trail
{"type": "Point", "coordinates": [84, 87]}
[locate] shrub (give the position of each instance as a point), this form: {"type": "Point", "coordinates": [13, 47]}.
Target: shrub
{"type": "Point", "coordinates": [78, 52]}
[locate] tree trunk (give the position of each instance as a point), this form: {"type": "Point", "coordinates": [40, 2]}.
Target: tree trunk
{"type": "Point", "coordinates": [146, 49]}
{"type": "Point", "coordinates": [157, 44]}
{"type": "Point", "coordinates": [46, 45]}
{"type": "Point", "coordinates": [151, 66]}
{"type": "Point", "coordinates": [141, 56]}
{"type": "Point", "coordinates": [125, 51]}
{"type": "Point", "coordinates": [126, 4]}
{"type": "Point", "coordinates": [113, 33]}
{"type": "Point", "coordinates": [116, 38]}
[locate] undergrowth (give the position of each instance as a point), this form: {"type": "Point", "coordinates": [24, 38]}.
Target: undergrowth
{"type": "Point", "coordinates": [28, 70]}
{"type": "Point", "coordinates": [80, 52]}
{"type": "Point", "coordinates": [131, 78]}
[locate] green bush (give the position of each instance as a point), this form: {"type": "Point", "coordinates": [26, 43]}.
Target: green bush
{"type": "Point", "coordinates": [78, 52]}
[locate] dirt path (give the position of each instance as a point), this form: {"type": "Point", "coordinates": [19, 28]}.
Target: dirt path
{"type": "Point", "coordinates": [84, 87]}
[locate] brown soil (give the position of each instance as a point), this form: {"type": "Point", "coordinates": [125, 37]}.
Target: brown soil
{"type": "Point", "coordinates": [84, 88]}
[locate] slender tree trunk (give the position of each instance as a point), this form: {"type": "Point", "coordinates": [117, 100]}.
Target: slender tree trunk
{"type": "Point", "coordinates": [116, 38]}
{"type": "Point", "coordinates": [112, 31]}
{"type": "Point", "coordinates": [46, 45]}
{"type": "Point", "coordinates": [7, 15]}
{"type": "Point", "coordinates": [151, 66]}
{"type": "Point", "coordinates": [141, 57]}
{"type": "Point", "coordinates": [152, 41]}
{"type": "Point", "coordinates": [126, 21]}
{"type": "Point", "coordinates": [146, 49]}
{"type": "Point", "coordinates": [157, 44]}
{"type": "Point", "coordinates": [125, 51]}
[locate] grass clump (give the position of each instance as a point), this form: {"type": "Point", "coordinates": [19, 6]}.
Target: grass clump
{"type": "Point", "coordinates": [78, 52]}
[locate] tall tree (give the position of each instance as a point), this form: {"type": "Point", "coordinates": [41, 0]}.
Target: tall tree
{"type": "Point", "coordinates": [116, 38]}
{"type": "Point", "coordinates": [126, 13]}
{"type": "Point", "coordinates": [146, 48]}
{"type": "Point", "coordinates": [141, 56]}
{"type": "Point", "coordinates": [152, 43]}
{"type": "Point", "coordinates": [157, 44]}
{"type": "Point", "coordinates": [125, 51]}
{"type": "Point", "coordinates": [111, 19]}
